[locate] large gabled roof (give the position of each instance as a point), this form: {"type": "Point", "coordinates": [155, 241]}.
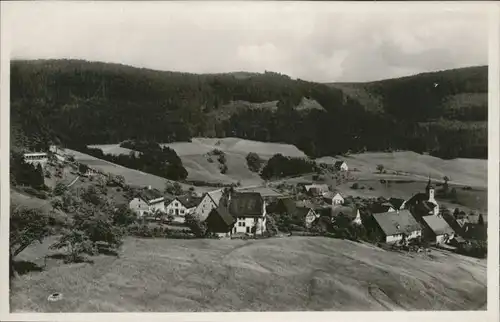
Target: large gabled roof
{"type": "Point", "coordinates": [150, 194]}
{"type": "Point", "coordinates": [397, 222]}
{"type": "Point", "coordinates": [189, 201]}
{"type": "Point", "coordinates": [438, 225]}
{"type": "Point", "coordinates": [244, 204]}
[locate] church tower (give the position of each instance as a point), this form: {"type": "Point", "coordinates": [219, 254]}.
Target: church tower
{"type": "Point", "coordinates": [429, 189]}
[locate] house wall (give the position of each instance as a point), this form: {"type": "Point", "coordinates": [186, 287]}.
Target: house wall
{"type": "Point", "coordinates": [158, 206]}
{"type": "Point", "coordinates": [203, 209]}
{"type": "Point", "coordinates": [395, 238]}
{"type": "Point", "coordinates": [337, 200]}
{"type": "Point", "coordinates": [344, 167]}
{"type": "Point", "coordinates": [36, 159]}
{"type": "Point", "coordinates": [138, 206]}
{"type": "Point", "coordinates": [245, 224]}
{"type": "Point", "coordinates": [177, 209]}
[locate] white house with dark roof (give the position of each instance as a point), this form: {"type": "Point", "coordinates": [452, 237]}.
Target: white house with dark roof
{"type": "Point", "coordinates": [179, 207]}
{"type": "Point", "coordinates": [437, 229]}
{"type": "Point", "coordinates": [397, 225]}
{"type": "Point", "coordinates": [147, 201]}
{"type": "Point", "coordinates": [341, 166]}
{"type": "Point", "coordinates": [333, 198]}
{"type": "Point", "coordinates": [249, 211]}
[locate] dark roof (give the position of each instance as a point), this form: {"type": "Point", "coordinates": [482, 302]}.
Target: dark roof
{"type": "Point", "coordinates": [189, 201]}
{"type": "Point", "coordinates": [417, 198]}
{"type": "Point", "coordinates": [438, 225]}
{"type": "Point", "coordinates": [150, 194]}
{"type": "Point", "coordinates": [397, 222]}
{"type": "Point", "coordinates": [224, 215]}
{"type": "Point", "coordinates": [349, 212]}
{"type": "Point", "coordinates": [381, 207]}
{"type": "Point", "coordinates": [246, 204]}
{"type": "Point", "coordinates": [425, 207]}
{"type": "Point", "coordinates": [289, 205]}
{"type": "Point", "coordinates": [396, 202]}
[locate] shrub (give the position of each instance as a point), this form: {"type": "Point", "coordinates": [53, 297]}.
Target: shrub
{"type": "Point", "coordinates": [355, 186]}
{"type": "Point", "coordinates": [198, 228]}
{"type": "Point", "coordinates": [380, 168]}
{"type": "Point", "coordinates": [223, 168]}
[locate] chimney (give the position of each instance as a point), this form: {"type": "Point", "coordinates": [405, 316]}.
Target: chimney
{"type": "Point", "coordinates": [149, 187]}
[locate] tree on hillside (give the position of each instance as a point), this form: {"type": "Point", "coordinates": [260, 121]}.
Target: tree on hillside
{"type": "Point", "coordinates": [445, 184]}
{"type": "Point", "coordinates": [254, 162]}
{"type": "Point", "coordinates": [60, 189]}
{"type": "Point", "coordinates": [27, 226]}
{"type": "Point", "coordinates": [77, 243]}
{"type": "Point", "coordinates": [380, 168]}
{"type": "Point", "coordinates": [198, 228]}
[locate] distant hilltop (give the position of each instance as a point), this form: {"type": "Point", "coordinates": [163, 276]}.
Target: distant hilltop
{"type": "Point", "coordinates": [79, 102]}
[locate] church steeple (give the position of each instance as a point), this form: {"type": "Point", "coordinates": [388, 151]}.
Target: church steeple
{"type": "Point", "coordinates": [429, 186]}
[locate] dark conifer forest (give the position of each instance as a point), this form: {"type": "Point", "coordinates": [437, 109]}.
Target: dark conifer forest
{"type": "Point", "coordinates": [75, 103]}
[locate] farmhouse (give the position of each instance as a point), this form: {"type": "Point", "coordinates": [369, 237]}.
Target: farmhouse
{"type": "Point", "coordinates": [147, 201]}
{"type": "Point", "coordinates": [397, 226]}
{"type": "Point", "coordinates": [209, 201]}
{"type": "Point", "coordinates": [424, 201]}
{"type": "Point", "coordinates": [341, 166]}
{"type": "Point", "coordinates": [220, 222]}
{"type": "Point", "coordinates": [306, 215]}
{"type": "Point", "coordinates": [352, 214]}
{"type": "Point", "coordinates": [333, 198]}
{"type": "Point", "coordinates": [316, 189]}
{"type": "Point", "coordinates": [181, 206]}
{"type": "Point", "coordinates": [437, 229]}
{"type": "Point", "coordinates": [249, 210]}
{"type": "Point", "coordinates": [36, 158]}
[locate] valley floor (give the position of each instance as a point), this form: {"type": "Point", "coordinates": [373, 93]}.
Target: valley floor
{"type": "Point", "coordinates": [279, 274]}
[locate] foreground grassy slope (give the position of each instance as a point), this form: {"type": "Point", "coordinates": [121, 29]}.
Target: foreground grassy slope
{"type": "Point", "coordinates": [295, 273]}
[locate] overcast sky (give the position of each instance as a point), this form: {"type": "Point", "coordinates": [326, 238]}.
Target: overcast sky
{"type": "Point", "coordinates": [313, 41]}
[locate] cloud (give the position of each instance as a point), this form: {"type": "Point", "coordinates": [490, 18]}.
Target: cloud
{"type": "Point", "coordinates": [311, 41]}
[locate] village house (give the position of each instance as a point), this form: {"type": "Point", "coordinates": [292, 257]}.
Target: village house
{"type": "Point", "coordinates": [209, 201]}
{"type": "Point", "coordinates": [179, 207]}
{"type": "Point", "coordinates": [423, 204]}
{"type": "Point", "coordinates": [305, 215]}
{"type": "Point", "coordinates": [316, 189]}
{"type": "Point", "coordinates": [397, 226]}
{"type": "Point", "coordinates": [341, 166]}
{"type": "Point", "coordinates": [36, 158]}
{"type": "Point", "coordinates": [352, 214]}
{"type": "Point", "coordinates": [147, 201]}
{"type": "Point", "coordinates": [437, 230]}
{"type": "Point", "coordinates": [333, 198]}
{"type": "Point", "coordinates": [249, 211]}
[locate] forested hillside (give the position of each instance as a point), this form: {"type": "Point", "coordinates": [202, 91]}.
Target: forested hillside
{"type": "Point", "coordinates": [79, 102]}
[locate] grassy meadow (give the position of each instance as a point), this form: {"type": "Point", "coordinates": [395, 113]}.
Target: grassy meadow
{"type": "Point", "coordinates": [165, 275]}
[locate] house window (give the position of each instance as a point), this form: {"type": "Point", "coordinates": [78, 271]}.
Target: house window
{"type": "Point", "coordinates": [170, 211]}
{"type": "Point", "coordinates": [182, 211]}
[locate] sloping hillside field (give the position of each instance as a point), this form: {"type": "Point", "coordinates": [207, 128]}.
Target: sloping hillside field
{"type": "Point", "coordinates": [282, 274]}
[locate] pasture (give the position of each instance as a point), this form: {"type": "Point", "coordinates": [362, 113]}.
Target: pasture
{"type": "Point", "coordinates": [280, 274]}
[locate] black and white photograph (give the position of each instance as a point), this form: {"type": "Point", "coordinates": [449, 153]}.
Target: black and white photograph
{"type": "Point", "coordinates": [246, 157]}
